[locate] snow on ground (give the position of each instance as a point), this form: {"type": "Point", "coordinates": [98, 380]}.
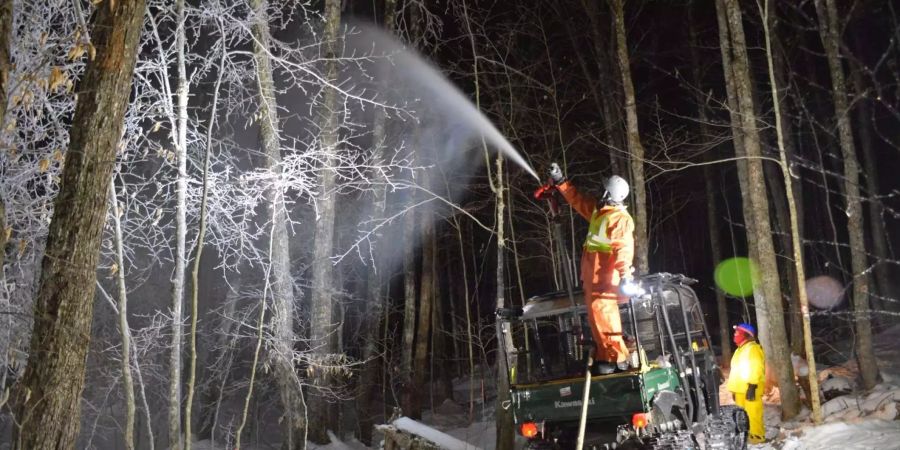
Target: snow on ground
{"type": "Point", "coordinates": [852, 420]}
{"type": "Point", "coordinates": [445, 440]}
{"type": "Point", "coordinates": [860, 435]}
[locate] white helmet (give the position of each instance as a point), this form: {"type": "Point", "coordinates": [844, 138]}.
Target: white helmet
{"type": "Point", "coordinates": [616, 189]}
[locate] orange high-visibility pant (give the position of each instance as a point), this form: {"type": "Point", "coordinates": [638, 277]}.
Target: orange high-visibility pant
{"type": "Point", "coordinates": [601, 295]}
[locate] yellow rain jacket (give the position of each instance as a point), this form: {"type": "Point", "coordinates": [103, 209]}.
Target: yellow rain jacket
{"type": "Point", "coordinates": [748, 366]}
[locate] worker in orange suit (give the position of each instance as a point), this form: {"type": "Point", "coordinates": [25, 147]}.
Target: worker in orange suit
{"type": "Point", "coordinates": [747, 378]}
{"type": "Point", "coordinates": [606, 266]}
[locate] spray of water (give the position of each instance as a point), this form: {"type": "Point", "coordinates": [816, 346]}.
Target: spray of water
{"type": "Point", "coordinates": [440, 95]}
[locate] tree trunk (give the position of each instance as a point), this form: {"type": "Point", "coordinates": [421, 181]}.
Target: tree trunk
{"type": "Point", "coordinates": [767, 289]}
{"type": "Point", "coordinates": [282, 322]}
{"type": "Point", "coordinates": [322, 323]}
{"type": "Point", "coordinates": [407, 354]}
{"type": "Point", "coordinates": [124, 332]}
{"type": "Point", "coordinates": [6, 16]}
{"type": "Point", "coordinates": [224, 341]}
{"type": "Point", "coordinates": [426, 297]}
{"type": "Point", "coordinates": [635, 148]}
{"type": "Point", "coordinates": [505, 425]}
{"type": "Point", "coordinates": [605, 74]}
{"type": "Point", "coordinates": [180, 254]}
{"type": "Point", "coordinates": [712, 217]}
{"type": "Point", "coordinates": [859, 264]}
{"type": "Point", "coordinates": [198, 253]}
{"type": "Point", "coordinates": [375, 283]}
{"type": "Point", "coordinates": [794, 229]}
{"type": "Point", "coordinates": [780, 68]}
{"type": "Point", "coordinates": [49, 394]}
{"type": "Point", "coordinates": [601, 100]}
{"type": "Point", "coordinates": [887, 290]}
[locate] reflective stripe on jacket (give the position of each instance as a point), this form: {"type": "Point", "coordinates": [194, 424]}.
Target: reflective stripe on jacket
{"type": "Point", "coordinates": [748, 366]}
{"type": "Point", "coordinates": [615, 238]}
{"type": "Point", "coordinates": [606, 224]}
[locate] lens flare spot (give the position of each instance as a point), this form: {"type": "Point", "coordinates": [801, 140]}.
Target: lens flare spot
{"type": "Point", "coordinates": [735, 276]}
{"type": "Point", "coordinates": [824, 292]}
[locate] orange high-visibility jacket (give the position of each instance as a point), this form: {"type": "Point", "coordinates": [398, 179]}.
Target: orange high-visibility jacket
{"type": "Point", "coordinates": [610, 233]}
{"type": "Point", "coordinates": [748, 366]}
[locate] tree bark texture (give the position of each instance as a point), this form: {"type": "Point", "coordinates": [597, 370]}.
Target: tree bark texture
{"type": "Point", "coordinates": [6, 16]}
{"type": "Point", "coordinates": [635, 148]}
{"type": "Point", "coordinates": [767, 287]}
{"type": "Point", "coordinates": [180, 254]}
{"type": "Point", "coordinates": [859, 264]}
{"type": "Point", "coordinates": [49, 394]}
{"type": "Point", "coordinates": [505, 425]}
{"type": "Point", "coordinates": [322, 322]}
{"type": "Point", "coordinates": [282, 321]}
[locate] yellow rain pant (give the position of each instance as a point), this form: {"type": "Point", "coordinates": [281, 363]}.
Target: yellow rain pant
{"type": "Point", "coordinates": [754, 410]}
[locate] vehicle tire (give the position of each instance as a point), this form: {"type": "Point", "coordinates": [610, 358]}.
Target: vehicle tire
{"type": "Point", "coordinates": [728, 430]}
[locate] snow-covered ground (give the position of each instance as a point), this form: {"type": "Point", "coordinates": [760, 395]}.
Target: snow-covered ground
{"type": "Point", "coordinates": [851, 419]}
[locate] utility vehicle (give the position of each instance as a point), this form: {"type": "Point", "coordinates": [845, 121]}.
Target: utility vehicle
{"type": "Point", "coordinates": [667, 399]}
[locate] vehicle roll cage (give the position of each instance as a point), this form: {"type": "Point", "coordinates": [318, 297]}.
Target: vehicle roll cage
{"type": "Point", "coordinates": [575, 341]}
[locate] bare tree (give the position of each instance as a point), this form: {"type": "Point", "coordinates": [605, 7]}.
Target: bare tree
{"type": "Point", "coordinates": [322, 321]}
{"type": "Point", "coordinates": [633, 139]}
{"type": "Point", "coordinates": [282, 283]}
{"type": "Point", "coordinates": [127, 383]}
{"type": "Point", "coordinates": [48, 397]}
{"type": "Point", "coordinates": [829, 31]}
{"type": "Point", "coordinates": [179, 133]}
{"type": "Point", "coordinates": [767, 288]}
{"type": "Point", "coordinates": [794, 229]}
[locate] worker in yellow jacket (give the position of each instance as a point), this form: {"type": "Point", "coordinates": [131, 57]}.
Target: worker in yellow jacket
{"type": "Point", "coordinates": [747, 378]}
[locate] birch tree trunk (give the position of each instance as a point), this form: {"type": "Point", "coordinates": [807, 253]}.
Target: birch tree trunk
{"type": "Point", "coordinates": [282, 322]}
{"type": "Point", "coordinates": [49, 393]}
{"type": "Point", "coordinates": [322, 323]}
{"type": "Point", "coordinates": [635, 148]}
{"type": "Point", "coordinates": [767, 288]}
{"type": "Point", "coordinates": [180, 255]}
{"type": "Point", "coordinates": [859, 265]}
